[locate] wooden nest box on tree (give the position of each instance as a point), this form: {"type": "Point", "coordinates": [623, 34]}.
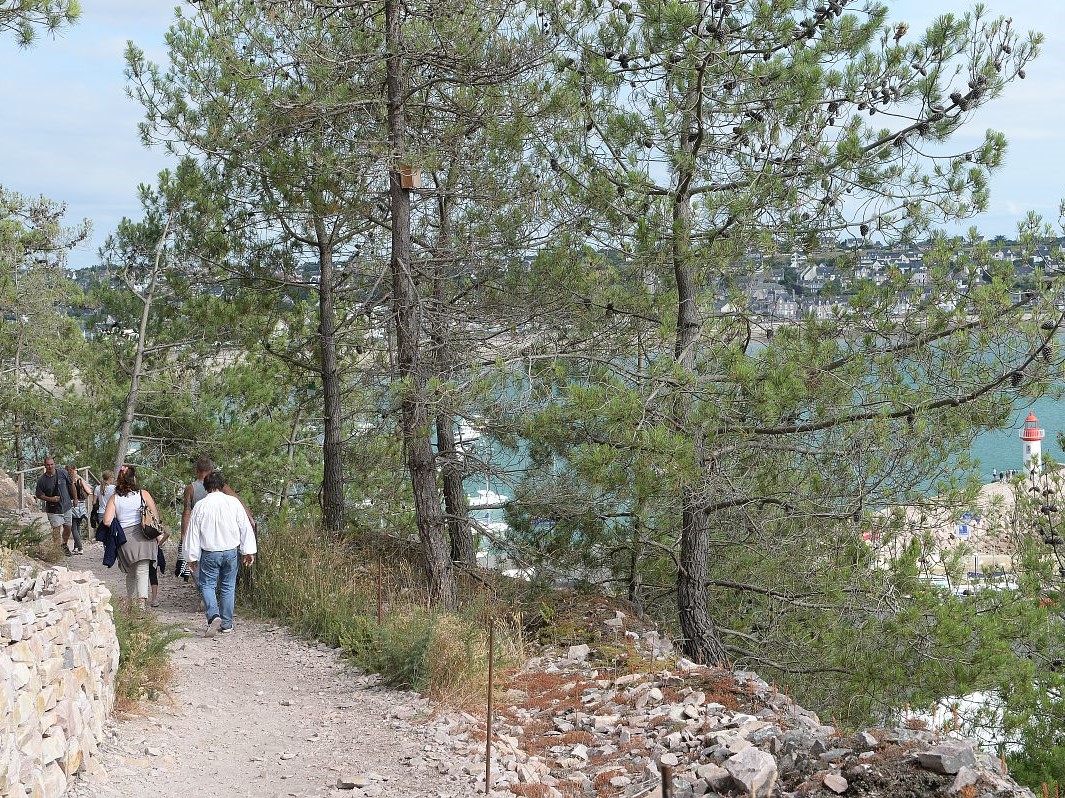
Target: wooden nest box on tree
{"type": "Point", "coordinates": [409, 177]}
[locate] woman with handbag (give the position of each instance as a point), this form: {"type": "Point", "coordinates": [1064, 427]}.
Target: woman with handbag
{"type": "Point", "coordinates": [135, 510]}
{"type": "Point", "coordinates": [79, 514]}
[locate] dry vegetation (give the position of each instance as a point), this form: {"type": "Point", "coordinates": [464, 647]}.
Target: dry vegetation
{"type": "Point", "coordinates": [367, 597]}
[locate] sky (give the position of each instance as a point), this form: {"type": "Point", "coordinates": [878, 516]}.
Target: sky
{"type": "Point", "coordinates": [69, 131]}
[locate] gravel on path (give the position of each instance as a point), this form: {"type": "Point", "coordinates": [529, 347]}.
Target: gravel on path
{"type": "Point", "coordinates": [261, 712]}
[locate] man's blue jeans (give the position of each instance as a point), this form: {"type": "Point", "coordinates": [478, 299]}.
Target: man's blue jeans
{"type": "Point", "coordinates": [219, 569]}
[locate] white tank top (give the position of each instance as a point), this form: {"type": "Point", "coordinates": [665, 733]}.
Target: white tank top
{"type": "Point", "coordinates": [128, 509]}
{"type": "Point", "coordinates": [101, 498]}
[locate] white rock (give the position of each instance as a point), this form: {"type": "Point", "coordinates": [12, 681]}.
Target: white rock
{"type": "Point", "coordinates": [715, 776]}
{"type": "Point", "coordinates": [967, 777]}
{"type": "Point", "coordinates": [579, 653]}
{"type": "Point", "coordinates": [753, 770]}
{"type": "Point", "coordinates": [352, 781]}
{"type": "Point", "coordinates": [836, 783]}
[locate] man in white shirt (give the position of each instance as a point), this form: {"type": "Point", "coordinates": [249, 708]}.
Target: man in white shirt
{"type": "Point", "coordinates": [218, 534]}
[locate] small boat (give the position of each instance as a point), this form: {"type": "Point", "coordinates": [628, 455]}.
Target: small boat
{"type": "Point", "coordinates": [486, 498]}
{"type": "Point", "coordinates": [467, 433]}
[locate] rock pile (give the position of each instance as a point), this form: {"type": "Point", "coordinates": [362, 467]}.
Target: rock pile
{"type": "Point", "coordinates": [568, 729]}
{"type": "Point", "coordinates": [58, 660]}
{"type": "Point", "coordinates": [718, 733]}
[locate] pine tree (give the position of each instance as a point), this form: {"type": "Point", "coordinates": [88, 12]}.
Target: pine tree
{"type": "Point", "coordinates": [24, 18]}
{"type": "Point", "coordinates": [693, 138]}
{"type": "Point", "coordinates": [37, 359]}
{"type": "Point", "coordinates": [299, 129]}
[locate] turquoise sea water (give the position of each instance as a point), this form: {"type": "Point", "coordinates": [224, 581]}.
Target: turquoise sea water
{"type": "Point", "coordinates": [999, 450]}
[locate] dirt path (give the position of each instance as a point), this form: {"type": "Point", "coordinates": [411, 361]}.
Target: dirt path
{"type": "Point", "coordinates": [263, 713]}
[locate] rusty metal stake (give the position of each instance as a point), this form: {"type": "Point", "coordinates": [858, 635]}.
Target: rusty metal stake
{"type": "Point", "coordinates": [380, 591]}
{"type": "Point", "coordinates": [667, 780]}
{"type": "Point", "coordinates": [488, 736]}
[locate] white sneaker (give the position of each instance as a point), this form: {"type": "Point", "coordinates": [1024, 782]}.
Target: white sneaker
{"type": "Point", "coordinates": [213, 627]}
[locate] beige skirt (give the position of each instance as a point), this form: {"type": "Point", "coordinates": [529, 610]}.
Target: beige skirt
{"type": "Point", "coordinates": [136, 548]}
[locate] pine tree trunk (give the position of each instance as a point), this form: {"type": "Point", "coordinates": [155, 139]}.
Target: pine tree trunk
{"type": "Point", "coordinates": [634, 580]}
{"type": "Point", "coordinates": [17, 425]}
{"type": "Point", "coordinates": [702, 642]}
{"type": "Point", "coordinates": [415, 416]}
{"type": "Point", "coordinates": [459, 529]}
{"type": "Point", "coordinates": [125, 430]}
{"type": "Point", "coordinates": [282, 497]}
{"type": "Point", "coordinates": [332, 446]}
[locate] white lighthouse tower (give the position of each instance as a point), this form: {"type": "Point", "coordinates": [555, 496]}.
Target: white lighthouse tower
{"type": "Point", "coordinates": [1032, 436]}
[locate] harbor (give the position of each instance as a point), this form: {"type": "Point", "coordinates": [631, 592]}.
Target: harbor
{"type": "Point", "coordinates": [974, 549]}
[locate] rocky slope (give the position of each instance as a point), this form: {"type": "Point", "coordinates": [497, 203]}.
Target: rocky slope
{"type": "Point", "coordinates": [568, 728]}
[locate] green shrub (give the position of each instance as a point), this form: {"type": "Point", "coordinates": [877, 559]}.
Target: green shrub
{"type": "Point", "coordinates": [29, 539]}
{"type": "Point", "coordinates": [398, 649]}
{"type": "Point", "coordinates": [144, 655]}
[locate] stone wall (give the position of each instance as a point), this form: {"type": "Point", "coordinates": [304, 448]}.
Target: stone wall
{"type": "Point", "coordinates": [58, 661]}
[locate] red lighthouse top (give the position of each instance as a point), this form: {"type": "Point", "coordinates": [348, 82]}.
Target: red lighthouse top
{"type": "Point", "coordinates": [1030, 431]}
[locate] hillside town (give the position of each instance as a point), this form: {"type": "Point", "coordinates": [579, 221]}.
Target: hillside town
{"type": "Point", "coordinates": [786, 288]}
{"type": "Point", "coordinates": [777, 288]}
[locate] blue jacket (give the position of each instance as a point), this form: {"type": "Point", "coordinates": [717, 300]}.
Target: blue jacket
{"type": "Point", "coordinates": [112, 537]}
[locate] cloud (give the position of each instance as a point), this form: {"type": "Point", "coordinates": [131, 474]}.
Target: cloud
{"type": "Point", "coordinates": [69, 131]}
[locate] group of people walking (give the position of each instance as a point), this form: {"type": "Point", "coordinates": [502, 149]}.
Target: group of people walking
{"type": "Point", "coordinates": [217, 532]}
{"type": "Point", "coordinates": [64, 493]}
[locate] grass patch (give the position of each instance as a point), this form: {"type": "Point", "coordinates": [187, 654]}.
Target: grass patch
{"type": "Point", "coordinates": [332, 593]}
{"type": "Point", "coordinates": [144, 656]}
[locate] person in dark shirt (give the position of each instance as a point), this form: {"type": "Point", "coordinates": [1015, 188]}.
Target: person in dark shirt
{"type": "Point", "coordinates": [56, 490]}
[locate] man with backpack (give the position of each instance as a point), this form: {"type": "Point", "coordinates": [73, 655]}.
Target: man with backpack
{"type": "Point", "coordinates": [56, 489]}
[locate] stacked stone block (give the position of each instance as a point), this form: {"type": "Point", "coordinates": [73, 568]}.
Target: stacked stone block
{"type": "Point", "coordinates": [58, 661]}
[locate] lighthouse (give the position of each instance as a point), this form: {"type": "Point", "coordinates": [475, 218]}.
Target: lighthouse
{"type": "Point", "coordinates": [1032, 436]}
